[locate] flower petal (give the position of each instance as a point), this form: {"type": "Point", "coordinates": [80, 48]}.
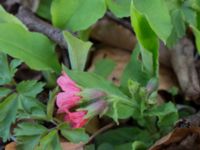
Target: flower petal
{"type": "Point", "coordinates": [76, 119]}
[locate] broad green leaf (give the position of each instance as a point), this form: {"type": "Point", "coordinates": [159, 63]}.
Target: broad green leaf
{"type": "Point", "coordinates": [8, 18]}
{"type": "Point", "coordinates": [120, 8]}
{"type": "Point", "coordinates": [30, 88]}
{"type": "Point", "coordinates": [197, 37]}
{"type": "Point", "coordinates": [134, 71]}
{"type": "Point", "coordinates": [80, 14]}
{"type": "Point", "coordinates": [123, 135]}
{"type": "Point", "coordinates": [36, 50]}
{"type": "Point", "coordinates": [105, 146]}
{"type": "Point", "coordinates": [189, 16]}
{"type": "Point", "coordinates": [44, 9]}
{"type": "Point", "coordinates": [74, 135]}
{"type": "Point", "coordinates": [178, 22]}
{"type": "Point", "coordinates": [4, 92]}
{"type": "Point", "coordinates": [8, 110]}
{"type": "Point", "coordinates": [50, 141]}
{"type": "Point", "coordinates": [28, 135]}
{"type": "Point", "coordinates": [157, 14]}
{"type": "Point", "coordinates": [104, 67]}
{"type": "Point", "coordinates": [78, 51]}
{"type": "Point", "coordinates": [147, 39]}
{"type": "Point", "coordinates": [92, 80]}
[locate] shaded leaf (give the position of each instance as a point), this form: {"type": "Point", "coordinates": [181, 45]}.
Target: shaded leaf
{"type": "Point", "coordinates": [8, 111]}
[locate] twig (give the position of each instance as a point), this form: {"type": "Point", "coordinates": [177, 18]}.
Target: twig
{"type": "Point", "coordinates": [36, 24]}
{"type": "Point", "coordinates": [95, 134]}
{"type": "Point", "coordinates": [123, 23]}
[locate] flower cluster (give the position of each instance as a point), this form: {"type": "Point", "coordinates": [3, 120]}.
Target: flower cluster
{"type": "Point", "coordinates": [70, 97]}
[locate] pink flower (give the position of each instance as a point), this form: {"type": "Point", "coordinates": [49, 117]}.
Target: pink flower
{"type": "Point", "coordinates": [67, 84]}
{"type": "Point", "coordinates": [76, 119]}
{"type": "Point", "coordinates": [69, 98]}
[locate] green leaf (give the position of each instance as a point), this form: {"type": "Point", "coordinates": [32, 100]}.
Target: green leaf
{"type": "Point", "coordinates": [189, 15]}
{"type": "Point", "coordinates": [29, 106]}
{"type": "Point", "coordinates": [4, 92]}
{"type": "Point", "coordinates": [157, 14]}
{"type": "Point", "coordinates": [178, 22]}
{"type": "Point", "coordinates": [119, 110]}
{"type": "Point", "coordinates": [105, 146]}
{"type": "Point", "coordinates": [8, 18]}
{"type": "Point", "coordinates": [22, 45]}
{"type": "Point", "coordinates": [7, 70]}
{"type": "Point", "coordinates": [78, 51]}
{"type": "Point", "coordinates": [28, 135]}
{"type": "Point", "coordinates": [104, 67]}
{"type": "Point", "coordinates": [74, 135]}
{"type": "Point", "coordinates": [197, 37]}
{"type": "Point", "coordinates": [51, 103]}
{"type": "Point", "coordinates": [147, 39]}
{"type": "Point", "coordinates": [167, 114]}
{"type": "Point", "coordinates": [8, 111]}
{"type": "Point", "coordinates": [138, 145]}
{"type": "Point", "coordinates": [120, 8]}
{"type": "Point", "coordinates": [79, 15]}
{"type": "Point", "coordinates": [44, 9]}
{"type": "Point", "coordinates": [92, 80]}
{"type": "Point", "coordinates": [123, 135]}
{"type": "Point", "coordinates": [50, 141]}
{"type": "Point", "coordinates": [134, 71]}
{"type": "Point", "coordinates": [30, 88]}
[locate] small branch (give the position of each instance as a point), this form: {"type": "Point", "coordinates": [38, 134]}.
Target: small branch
{"type": "Point", "coordinates": [96, 133]}
{"type": "Point", "coordinates": [36, 24]}
{"type": "Point", "coordinates": [123, 23]}
{"type": "Point", "coordinates": [101, 130]}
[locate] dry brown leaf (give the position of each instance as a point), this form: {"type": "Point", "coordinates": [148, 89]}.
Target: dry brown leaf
{"type": "Point", "coordinates": [11, 146]}
{"type": "Point", "coordinates": [112, 34]}
{"type": "Point", "coordinates": [121, 58]}
{"type": "Point", "coordinates": [179, 139]}
{"type": "Point", "coordinates": [167, 78]}
{"type": "Point", "coordinates": [71, 146]}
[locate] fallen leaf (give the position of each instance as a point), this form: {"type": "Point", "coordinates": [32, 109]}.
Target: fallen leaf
{"type": "Point", "coordinates": [11, 146]}
{"type": "Point", "coordinates": [179, 139]}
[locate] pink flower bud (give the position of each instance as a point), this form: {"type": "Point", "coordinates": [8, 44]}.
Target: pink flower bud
{"type": "Point", "coordinates": [97, 108]}
{"type": "Point", "coordinates": [90, 94]}
{"type": "Point", "coordinates": [76, 119]}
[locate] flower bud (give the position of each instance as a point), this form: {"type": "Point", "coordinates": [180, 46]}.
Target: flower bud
{"type": "Point", "coordinates": [152, 85]}
{"type": "Point", "coordinates": [89, 94]}
{"type": "Point", "coordinates": [96, 108]}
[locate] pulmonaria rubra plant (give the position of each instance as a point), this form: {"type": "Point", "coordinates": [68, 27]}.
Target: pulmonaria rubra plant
{"type": "Point", "coordinates": [72, 96]}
